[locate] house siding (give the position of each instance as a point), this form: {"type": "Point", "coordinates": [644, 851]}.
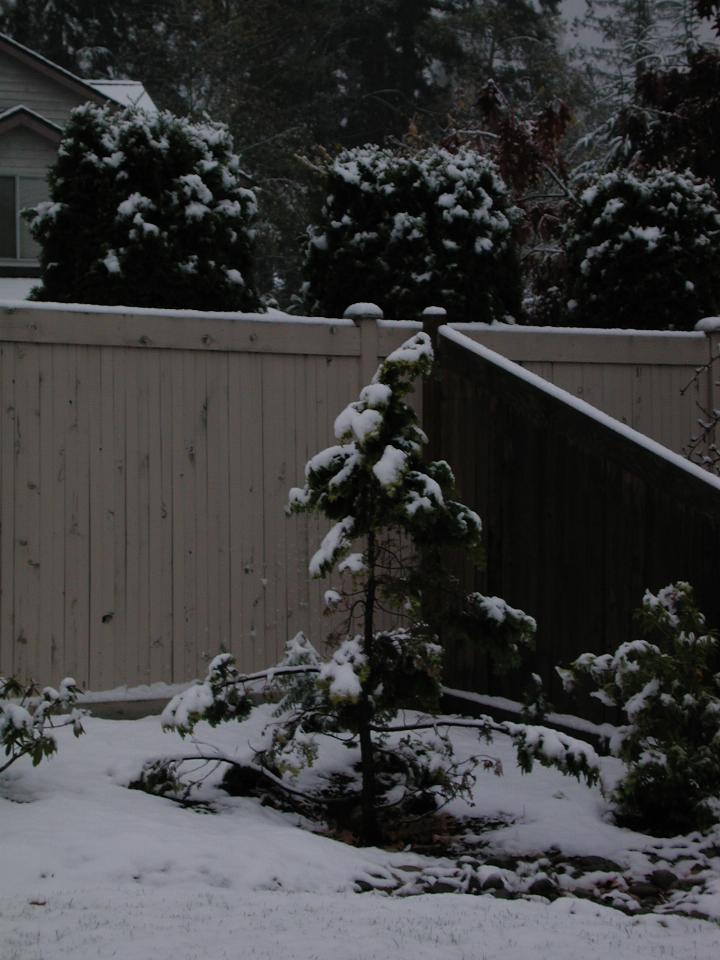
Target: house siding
{"type": "Point", "coordinates": [25, 152]}
{"type": "Point", "coordinates": [20, 84]}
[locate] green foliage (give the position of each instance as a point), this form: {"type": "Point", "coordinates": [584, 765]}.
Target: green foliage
{"type": "Point", "coordinates": [26, 718]}
{"type": "Point", "coordinates": [146, 210]}
{"type": "Point", "coordinates": [667, 683]}
{"type": "Point", "coordinates": [550, 748]}
{"type": "Point", "coordinates": [222, 696]}
{"type": "Point", "coordinates": [675, 121]}
{"type": "Point", "coordinates": [507, 632]}
{"type": "Point", "coordinates": [643, 252]}
{"type": "Point", "coordinates": [410, 229]}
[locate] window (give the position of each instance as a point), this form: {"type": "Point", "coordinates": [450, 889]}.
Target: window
{"type": "Point", "coordinates": [16, 193]}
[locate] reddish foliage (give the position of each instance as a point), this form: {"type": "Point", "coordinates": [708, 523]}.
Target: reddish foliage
{"type": "Point", "coordinates": [524, 148]}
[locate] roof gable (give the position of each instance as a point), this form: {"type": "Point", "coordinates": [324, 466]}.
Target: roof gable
{"type": "Point", "coordinates": [21, 116]}
{"type": "Point", "coordinates": [124, 92]}
{"type": "Point", "coordinates": [50, 70]}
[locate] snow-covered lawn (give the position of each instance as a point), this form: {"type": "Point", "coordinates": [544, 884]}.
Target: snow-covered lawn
{"type": "Point", "coordinates": [91, 870]}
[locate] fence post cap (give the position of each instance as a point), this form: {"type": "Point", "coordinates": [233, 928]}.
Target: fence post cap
{"type": "Point", "coordinates": [708, 325]}
{"type": "Point", "coordinates": [434, 312]}
{"type": "Point", "coordinates": [363, 311]}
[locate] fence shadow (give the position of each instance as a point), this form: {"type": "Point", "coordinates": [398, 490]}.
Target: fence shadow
{"type": "Point", "coordinates": [580, 514]}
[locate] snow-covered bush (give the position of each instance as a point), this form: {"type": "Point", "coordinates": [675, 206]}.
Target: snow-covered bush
{"type": "Point", "coordinates": [644, 252]}
{"type": "Point", "coordinates": [390, 513]}
{"type": "Point", "coordinates": [146, 210]}
{"type": "Point", "coordinates": [407, 230]}
{"type": "Point", "coordinates": [668, 685]}
{"type": "Point", "coordinates": [26, 716]}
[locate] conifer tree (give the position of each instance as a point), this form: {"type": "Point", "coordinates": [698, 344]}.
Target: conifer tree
{"type": "Point", "coordinates": [415, 227]}
{"type": "Point", "coordinates": [146, 210]}
{"type": "Point", "coordinates": [378, 493]}
{"type": "Point", "coordinates": [667, 685]}
{"type": "Point", "coordinates": [642, 252]}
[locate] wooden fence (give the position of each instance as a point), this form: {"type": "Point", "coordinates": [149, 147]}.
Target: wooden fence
{"type": "Point", "coordinates": [145, 460]}
{"type": "Point", "coordinates": [580, 516]}
{"type": "Point", "coordinates": [638, 377]}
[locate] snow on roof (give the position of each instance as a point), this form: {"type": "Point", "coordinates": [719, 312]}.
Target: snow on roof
{"type": "Point", "coordinates": [129, 93]}
{"type": "Point", "coordinates": [125, 92]}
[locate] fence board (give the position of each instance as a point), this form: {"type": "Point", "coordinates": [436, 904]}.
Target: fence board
{"type": "Point", "coordinates": [27, 507]}
{"type": "Point", "coordinates": [120, 666]}
{"type": "Point", "coordinates": [7, 518]}
{"type": "Point", "coordinates": [218, 549]}
{"type": "Point", "coordinates": [248, 505]}
{"type": "Point", "coordinates": [161, 522]}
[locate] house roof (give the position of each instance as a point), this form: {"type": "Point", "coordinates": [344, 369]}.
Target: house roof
{"type": "Point", "coordinates": [130, 93]}
{"type": "Point", "coordinates": [22, 116]}
{"type": "Point", "coordinates": [124, 92]}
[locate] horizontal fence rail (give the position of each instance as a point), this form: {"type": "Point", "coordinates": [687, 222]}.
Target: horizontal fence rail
{"type": "Point", "coordinates": [580, 514]}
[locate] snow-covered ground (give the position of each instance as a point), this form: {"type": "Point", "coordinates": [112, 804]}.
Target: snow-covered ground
{"type": "Point", "coordinates": [92, 870]}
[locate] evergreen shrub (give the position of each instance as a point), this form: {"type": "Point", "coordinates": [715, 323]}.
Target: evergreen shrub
{"type": "Point", "coordinates": [26, 719]}
{"type": "Point", "coordinates": [667, 683]}
{"type": "Point", "coordinates": [409, 229]}
{"type": "Point", "coordinates": [644, 252]}
{"type": "Point", "coordinates": [146, 210]}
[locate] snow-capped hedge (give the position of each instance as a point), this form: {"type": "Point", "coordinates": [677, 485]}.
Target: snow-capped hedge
{"type": "Point", "coordinates": [644, 252]}
{"type": "Point", "coordinates": [407, 230]}
{"type": "Point", "coordinates": [146, 210]}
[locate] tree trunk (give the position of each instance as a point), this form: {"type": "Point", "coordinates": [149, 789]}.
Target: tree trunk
{"type": "Point", "coordinates": [369, 828]}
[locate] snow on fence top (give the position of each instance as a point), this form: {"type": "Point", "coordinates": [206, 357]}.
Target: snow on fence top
{"type": "Point", "coordinates": [518, 330]}
{"type": "Point", "coordinates": [708, 325]}
{"type": "Point", "coordinates": [581, 406]}
{"type": "Point", "coordinates": [272, 316]}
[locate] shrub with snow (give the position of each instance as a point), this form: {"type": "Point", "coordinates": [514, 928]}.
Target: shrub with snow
{"type": "Point", "coordinates": [26, 716]}
{"type": "Point", "coordinates": [146, 210]}
{"type": "Point", "coordinates": [644, 252]}
{"type": "Point", "coordinates": [407, 230]}
{"type": "Point", "coordinates": [668, 686]}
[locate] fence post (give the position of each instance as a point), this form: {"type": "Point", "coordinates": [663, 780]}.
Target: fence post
{"type": "Point", "coordinates": [365, 316]}
{"type": "Point", "coordinates": [714, 369]}
{"type": "Point", "coordinates": [711, 328]}
{"type": "Point", "coordinates": [432, 319]}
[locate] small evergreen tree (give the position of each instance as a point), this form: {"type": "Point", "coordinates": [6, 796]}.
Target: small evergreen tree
{"type": "Point", "coordinates": [373, 485]}
{"type": "Point", "coordinates": [643, 252]}
{"type": "Point", "coordinates": [409, 229]}
{"type": "Point", "coordinates": [146, 210]}
{"type": "Point", "coordinates": [667, 683]}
